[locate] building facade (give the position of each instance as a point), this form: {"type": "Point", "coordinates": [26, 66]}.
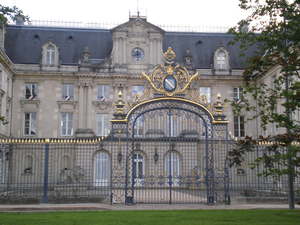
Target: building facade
{"type": "Point", "coordinates": [66, 85]}
{"type": "Point", "coordinates": [64, 80]}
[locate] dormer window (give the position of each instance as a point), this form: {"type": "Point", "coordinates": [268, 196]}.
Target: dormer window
{"type": "Point", "coordinates": [221, 64]}
{"type": "Point", "coordinates": [50, 55]}
{"type": "Point", "coordinates": [221, 57]}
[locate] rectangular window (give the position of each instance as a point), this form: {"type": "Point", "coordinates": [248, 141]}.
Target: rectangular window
{"type": "Point", "coordinates": [67, 124]}
{"type": "Point", "coordinates": [29, 123]}
{"type": "Point", "coordinates": [67, 92]}
{"type": "Point", "coordinates": [7, 86]}
{"type": "Point", "coordinates": [221, 56]}
{"type": "Point", "coordinates": [50, 54]}
{"type": "Point", "coordinates": [102, 124]}
{"type": "Point", "coordinates": [239, 126]}
{"type": "Point", "coordinates": [103, 93]}
{"type": "Point", "coordinates": [171, 124]}
{"type": "Point", "coordinates": [237, 93]}
{"type": "Point", "coordinates": [31, 91]}
{"type": "Point", "coordinates": [138, 127]}
{"type": "Point", "coordinates": [206, 91]}
{"type": "Point", "coordinates": [137, 91]}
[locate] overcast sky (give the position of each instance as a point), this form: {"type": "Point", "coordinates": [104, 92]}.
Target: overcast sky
{"type": "Point", "coordinates": [159, 12]}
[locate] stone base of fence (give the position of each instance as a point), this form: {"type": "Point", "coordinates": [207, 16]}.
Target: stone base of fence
{"type": "Point", "coordinates": [260, 200]}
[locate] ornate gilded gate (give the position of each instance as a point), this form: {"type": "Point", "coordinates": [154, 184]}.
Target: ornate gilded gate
{"type": "Point", "coordinates": [174, 143]}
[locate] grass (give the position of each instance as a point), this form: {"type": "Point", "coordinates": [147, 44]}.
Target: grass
{"type": "Point", "coordinates": [173, 217]}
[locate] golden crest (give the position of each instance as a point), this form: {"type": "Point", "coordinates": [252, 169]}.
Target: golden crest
{"type": "Point", "coordinates": [170, 79]}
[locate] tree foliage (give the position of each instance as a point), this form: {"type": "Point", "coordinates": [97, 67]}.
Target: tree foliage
{"type": "Point", "coordinates": [273, 30]}
{"type": "Point", "coordinates": [7, 14]}
{"type": "Point", "coordinates": [11, 13]}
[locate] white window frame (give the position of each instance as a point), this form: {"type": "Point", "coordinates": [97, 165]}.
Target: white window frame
{"type": "Point", "coordinates": [66, 124]}
{"type": "Point", "coordinates": [50, 55]}
{"type": "Point", "coordinates": [33, 91]}
{"type": "Point", "coordinates": [138, 126]}
{"type": "Point", "coordinates": [221, 60]}
{"type": "Point", "coordinates": [207, 92]}
{"type": "Point", "coordinates": [103, 91]}
{"type": "Point", "coordinates": [174, 119]}
{"type": "Point", "coordinates": [137, 161]}
{"type": "Point", "coordinates": [137, 90]}
{"type": "Point", "coordinates": [238, 124]}
{"type": "Point", "coordinates": [101, 169]}
{"type": "Point", "coordinates": [102, 124]}
{"type": "Point", "coordinates": [175, 164]}
{"type": "Point", "coordinates": [67, 91]}
{"type": "Point", "coordinates": [28, 163]}
{"type": "Point", "coordinates": [30, 123]}
{"type": "Point", "coordinates": [237, 93]}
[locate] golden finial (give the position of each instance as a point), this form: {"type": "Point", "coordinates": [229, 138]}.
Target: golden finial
{"type": "Point", "coordinates": [170, 55]}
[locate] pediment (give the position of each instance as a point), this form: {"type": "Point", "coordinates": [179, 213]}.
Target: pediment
{"type": "Point", "coordinates": [137, 28]}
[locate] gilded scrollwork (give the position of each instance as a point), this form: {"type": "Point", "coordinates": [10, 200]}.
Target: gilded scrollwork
{"type": "Point", "coordinates": [170, 79]}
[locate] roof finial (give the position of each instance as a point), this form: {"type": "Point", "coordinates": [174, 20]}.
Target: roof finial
{"type": "Point", "coordinates": [138, 10]}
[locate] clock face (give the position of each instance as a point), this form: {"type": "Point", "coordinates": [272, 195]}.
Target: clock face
{"type": "Point", "coordinates": [137, 54]}
{"type": "Point", "coordinates": [170, 83]}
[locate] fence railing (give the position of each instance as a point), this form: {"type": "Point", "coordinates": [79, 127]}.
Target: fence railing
{"type": "Point", "coordinates": [59, 169]}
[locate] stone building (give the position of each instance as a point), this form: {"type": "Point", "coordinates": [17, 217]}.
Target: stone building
{"type": "Point", "coordinates": [66, 84]}
{"type": "Point", "coordinates": [63, 81]}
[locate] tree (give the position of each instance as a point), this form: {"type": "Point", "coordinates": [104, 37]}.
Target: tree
{"type": "Point", "coordinates": [273, 31]}
{"type": "Point", "coordinates": [8, 13]}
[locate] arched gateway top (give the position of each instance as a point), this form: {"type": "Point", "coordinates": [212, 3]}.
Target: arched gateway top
{"type": "Point", "coordinates": [170, 81]}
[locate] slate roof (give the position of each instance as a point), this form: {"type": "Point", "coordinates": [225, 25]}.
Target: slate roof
{"type": "Point", "coordinates": [23, 45]}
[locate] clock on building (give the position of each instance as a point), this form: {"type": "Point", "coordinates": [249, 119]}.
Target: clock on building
{"type": "Point", "coordinates": [137, 54]}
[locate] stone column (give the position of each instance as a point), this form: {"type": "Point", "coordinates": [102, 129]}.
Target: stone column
{"type": "Point", "coordinates": [151, 51]}
{"type": "Point", "coordinates": [80, 106]}
{"type": "Point", "coordinates": [116, 51]}
{"type": "Point", "coordinates": [89, 113]}
{"type": "Point", "coordinates": [124, 50]}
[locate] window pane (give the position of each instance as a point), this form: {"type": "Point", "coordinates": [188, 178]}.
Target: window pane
{"type": "Point", "coordinates": [33, 123]}
{"type": "Point", "coordinates": [137, 90]}
{"type": "Point", "coordinates": [103, 93]}
{"type": "Point", "coordinates": [102, 124]}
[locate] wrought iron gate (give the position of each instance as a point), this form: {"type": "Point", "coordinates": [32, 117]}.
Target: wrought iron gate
{"type": "Point", "coordinates": [174, 142]}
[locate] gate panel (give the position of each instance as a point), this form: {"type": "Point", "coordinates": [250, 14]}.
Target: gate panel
{"type": "Point", "coordinates": [169, 163]}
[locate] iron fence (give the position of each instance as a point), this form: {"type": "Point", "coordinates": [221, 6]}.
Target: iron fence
{"type": "Point", "coordinates": [84, 170]}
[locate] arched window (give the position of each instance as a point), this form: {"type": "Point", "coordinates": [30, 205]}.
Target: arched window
{"type": "Point", "coordinates": [221, 57]}
{"type": "Point", "coordinates": [101, 169]}
{"type": "Point", "coordinates": [50, 55]}
{"type": "Point", "coordinates": [138, 169]}
{"type": "Point", "coordinates": [138, 165]}
{"type": "Point", "coordinates": [28, 164]}
{"type": "Point", "coordinates": [65, 162]}
{"type": "Point", "coordinates": [174, 163]}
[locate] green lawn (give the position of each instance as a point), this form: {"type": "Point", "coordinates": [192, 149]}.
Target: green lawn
{"type": "Point", "coordinates": [156, 217]}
